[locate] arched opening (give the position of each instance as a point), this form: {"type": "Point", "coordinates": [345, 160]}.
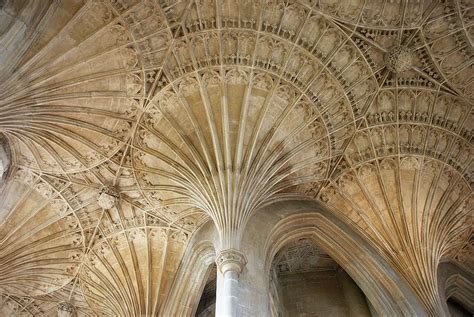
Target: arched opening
{"type": "Point", "coordinates": [306, 281]}
{"type": "Point", "coordinates": [387, 292]}
{"type": "Point", "coordinates": [207, 303]}
{"type": "Point", "coordinates": [459, 289]}
{"type": "Point", "coordinates": [457, 310]}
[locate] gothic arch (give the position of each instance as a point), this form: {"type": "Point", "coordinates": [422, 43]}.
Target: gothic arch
{"type": "Point", "coordinates": [385, 289]}
{"type": "Point", "coordinates": [190, 279]}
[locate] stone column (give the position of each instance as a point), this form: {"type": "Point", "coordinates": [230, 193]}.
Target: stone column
{"type": "Point", "coordinates": [230, 264]}
{"type": "Point", "coordinates": [65, 309]}
{"type": "Point", "coordinates": [355, 299]}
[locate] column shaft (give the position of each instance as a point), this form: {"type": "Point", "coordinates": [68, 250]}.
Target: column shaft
{"type": "Point", "coordinates": [227, 294]}
{"type": "Point", "coordinates": [230, 263]}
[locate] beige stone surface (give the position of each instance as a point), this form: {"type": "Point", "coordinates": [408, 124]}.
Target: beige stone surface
{"type": "Point", "coordinates": [313, 294]}
{"type": "Point", "coordinates": [308, 282]}
{"type": "Point", "coordinates": [200, 114]}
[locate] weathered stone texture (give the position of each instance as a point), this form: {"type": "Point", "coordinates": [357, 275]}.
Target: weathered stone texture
{"type": "Point", "coordinates": [127, 126]}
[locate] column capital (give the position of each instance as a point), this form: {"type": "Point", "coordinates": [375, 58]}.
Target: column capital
{"type": "Point", "coordinates": [230, 260]}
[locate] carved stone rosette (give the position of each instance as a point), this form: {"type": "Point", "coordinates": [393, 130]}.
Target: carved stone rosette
{"type": "Point", "coordinates": [231, 260]}
{"type": "Point", "coordinates": [65, 309]}
{"type": "Point", "coordinates": [107, 197]}
{"type": "Point", "coordinates": [399, 59]}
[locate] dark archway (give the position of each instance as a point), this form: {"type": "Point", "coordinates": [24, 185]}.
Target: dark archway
{"type": "Point", "coordinates": [207, 303]}
{"type": "Point", "coordinates": [458, 310]}
{"type": "Point", "coordinates": [306, 280]}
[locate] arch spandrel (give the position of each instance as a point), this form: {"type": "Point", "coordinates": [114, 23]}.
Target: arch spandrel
{"type": "Point", "coordinates": [248, 59]}
{"type": "Point", "coordinates": [278, 224]}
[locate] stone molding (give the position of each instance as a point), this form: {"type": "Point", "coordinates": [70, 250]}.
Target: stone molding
{"type": "Point", "coordinates": [230, 260]}
{"type": "Point", "coordinates": [234, 110]}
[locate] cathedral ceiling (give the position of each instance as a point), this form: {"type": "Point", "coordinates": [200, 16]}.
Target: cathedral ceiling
{"type": "Point", "coordinates": [185, 111]}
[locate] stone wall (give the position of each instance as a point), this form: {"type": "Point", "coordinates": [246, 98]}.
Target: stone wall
{"type": "Point", "coordinates": [322, 293]}
{"type": "Point", "coordinates": [313, 294]}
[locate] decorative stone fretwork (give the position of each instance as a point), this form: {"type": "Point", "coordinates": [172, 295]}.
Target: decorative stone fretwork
{"type": "Point", "coordinates": [448, 37]}
{"type": "Point", "coordinates": [41, 241]}
{"type": "Point", "coordinates": [230, 260]}
{"type": "Point", "coordinates": [140, 261]}
{"type": "Point", "coordinates": [399, 59]}
{"type": "Point", "coordinates": [250, 137]}
{"type": "Point", "coordinates": [302, 256]}
{"type": "Point", "coordinates": [214, 109]}
{"type": "Point", "coordinates": [107, 197]}
{"type": "Point", "coordinates": [382, 14]}
{"type": "Point", "coordinates": [417, 211]}
{"type": "Point", "coordinates": [65, 309]}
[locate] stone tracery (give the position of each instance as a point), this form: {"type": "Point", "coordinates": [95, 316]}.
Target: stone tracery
{"type": "Point", "coordinates": [198, 110]}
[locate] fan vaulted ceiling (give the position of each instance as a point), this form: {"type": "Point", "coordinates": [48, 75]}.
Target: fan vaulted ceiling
{"type": "Point", "coordinates": [204, 110]}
